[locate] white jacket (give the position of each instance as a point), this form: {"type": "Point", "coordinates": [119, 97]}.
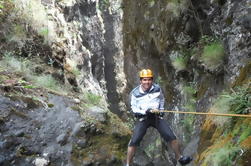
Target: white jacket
{"type": "Point", "coordinates": [141, 101]}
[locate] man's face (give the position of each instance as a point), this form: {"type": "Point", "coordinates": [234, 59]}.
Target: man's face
{"type": "Point", "coordinates": [146, 83]}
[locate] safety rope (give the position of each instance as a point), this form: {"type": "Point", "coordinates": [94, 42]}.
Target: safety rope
{"type": "Point", "coordinates": [203, 113]}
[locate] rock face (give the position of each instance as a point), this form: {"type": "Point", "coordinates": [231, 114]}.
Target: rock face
{"type": "Point", "coordinates": [98, 46]}
{"type": "Point", "coordinates": [84, 40]}
{"type": "Point", "coordinates": [34, 134]}
{"type": "Point", "coordinates": [45, 132]}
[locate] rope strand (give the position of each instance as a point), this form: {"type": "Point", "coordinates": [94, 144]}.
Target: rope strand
{"type": "Point", "coordinates": [203, 113]}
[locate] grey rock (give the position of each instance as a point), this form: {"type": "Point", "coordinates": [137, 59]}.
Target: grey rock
{"type": "Point", "coordinates": [82, 143]}
{"type": "Point", "coordinates": [79, 130]}
{"type": "Point", "coordinates": [19, 133]}
{"type": "Point", "coordinates": [86, 163]}
{"type": "Point", "coordinates": [97, 113]}
{"type": "Point", "coordinates": [246, 21]}
{"type": "Point", "coordinates": [62, 139]}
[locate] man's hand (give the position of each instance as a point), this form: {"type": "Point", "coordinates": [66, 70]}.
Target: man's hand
{"type": "Point", "coordinates": [155, 111]}
{"type": "Point", "coordinates": [148, 111]}
{"type": "Point", "coordinates": [158, 112]}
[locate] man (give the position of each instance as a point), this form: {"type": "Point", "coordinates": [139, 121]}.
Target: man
{"type": "Point", "coordinates": [145, 100]}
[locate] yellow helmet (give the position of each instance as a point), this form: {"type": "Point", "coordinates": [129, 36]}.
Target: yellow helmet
{"type": "Point", "coordinates": [145, 73]}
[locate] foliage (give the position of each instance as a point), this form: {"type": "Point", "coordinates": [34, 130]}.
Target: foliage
{"type": "Point", "coordinates": [190, 105]}
{"type": "Point", "coordinates": [151, 148]}
{"type": "Point", "coordinates": [46, 81]}
{"type": "Point", "coordinates": [213, 55]}
{"type": "Point", "coordinates": [227, 146]}
{"type": "Point", "coordinates": [190, 99]}
{"type": "Point", "coordinates": [76, 71]}
{"type": "Point", "coordinates": [159, 80]}
{"type": "Point", "coordinates": [187, 122]}
{"type": "Point", "coordinates": [179, 63]}
{"type": "Point", "coordinates": [25, 67]}
{"type": "Point", "coordinates": [151, 3]}
{"type": "Point", "coordinates": [176, 7]}
{"type": "Point", "coordinates": [104, 5]}
{"type": "Point", "coordinates": [92, 99]}
{"type": "Point", "coordinates": [237, 102]}
{"type": "Point", "coordinates": [224, 156]}
{"type": "Point", "coordinates": [245, 132]}
{"type": "Point", "coordinates": [9, 61]}
{"type": "Point", "coordinates": [33, 14]}
{"type": "Point", "coordinates": [209, 51]}
{"type": "Point", "coordinates": [44, 31]}
{"type": "Point", "coordinates": [18, 34]}
{"type": "Point", "coordinates": [240, 100]}
{"type": "Point", "coordinates": [221, 105]}
{"type": "Point", "coordinates": [6, 7]}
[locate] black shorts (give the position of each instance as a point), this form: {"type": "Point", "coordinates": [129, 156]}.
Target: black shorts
{"type": "Point", "coordinates": [156, 122]}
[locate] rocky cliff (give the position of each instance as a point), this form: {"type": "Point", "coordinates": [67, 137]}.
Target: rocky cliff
{"type": "Point", "coordinates": [92, 50]}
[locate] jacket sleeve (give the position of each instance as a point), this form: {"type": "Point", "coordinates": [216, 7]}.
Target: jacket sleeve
{"type": "Point", "coordinates": [162, 101]}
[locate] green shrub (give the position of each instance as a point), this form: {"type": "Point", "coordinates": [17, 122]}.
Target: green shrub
{"type": "Point", "coordinates": [240, 100]}
{"type": "Point", "coordinates": [224, 156]}
{"type": "Point", "coordinates": [212, 55]}
{"type": "Point", "coordinates": [16, 64]}
{"type": "Point", "coordinates": [46, 81]}
{"type": "Point", "coordinates": [104, 5]}
{"type": "Point", "coordinates": [159, 80]}
{"type": "Point", "coordinates": [6, 7]}
{"type": "Point", "coordinates": [76, 71]}
{"type": "Point", "coordinates": [176, 7]}
{"type": "Point", "coordinates": [189, 96]}
{"type": "Point", "coordinates": [44, 32]}
{"type": "Point", "coordinates": [221, 105]}
{"type": "Point", "coordinates": [245, 133]}
{"type": "Point", "coordinates": [92, 99]}
{"type": "Point", "coordinates": [10, 62]}
{"type": "Point", "coordinates": [151, 3]}
{"type": "Point", "coordinates": [187, 122]}
{"type": "Point", "coordinates": [18, 33]}
{"type": "Point", "coordinates": [190, 105]}
{"type": "Point", "coordinates": [179, 63]}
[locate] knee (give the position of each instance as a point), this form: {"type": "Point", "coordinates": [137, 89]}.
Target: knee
{"type": "Point", "coordinates": [169, 137]}
{"type": "Point", "coordinates": [133, 143]}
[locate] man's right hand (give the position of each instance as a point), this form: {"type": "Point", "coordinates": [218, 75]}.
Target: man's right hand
{"type": "Point", "coordinates": [149, 111]}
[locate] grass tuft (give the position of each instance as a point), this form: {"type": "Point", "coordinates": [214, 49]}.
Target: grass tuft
{"type": "Point", "coordinates": [224, 156]}
{"type": "Point", "coordinates": [92, 99]}
{"type": "Point", "coordinates": [221, 105]}
{"type": "Point", "coordinates": [212, 56]}
{"type": "Point", "coordinates": [179, 63]}
{"type": "Point", "coordinates": [47, 81]}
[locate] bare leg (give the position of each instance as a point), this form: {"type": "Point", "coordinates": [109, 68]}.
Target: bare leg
{"type": "Point", "coordinates": [176, 149]}
{"type": "Point", "coordinates": [130, 153]}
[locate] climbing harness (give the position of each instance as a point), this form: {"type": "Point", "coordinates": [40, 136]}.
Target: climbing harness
{"type": "Point", "coordinates": [203, 113]}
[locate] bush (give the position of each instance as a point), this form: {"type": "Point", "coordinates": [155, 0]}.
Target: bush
{"type": "Point", "coordinates": [221, 105]}
{"type": "Point", "coordinates": [10, 62]}
{"type": "Point", "coordinates": [224, 156]}
{"type": "Point", "coordinates": [176, 7]}
{"type": "Point", "coordinates": [92, 99]}
{"type": "Point", "coordinates": [190, 106]}
{"type": "Point", "coordinates": [240, 100]}
{"type": "Point", "coordinates": [6, 7]}
{"type": "Point", "coordinates": [47, 81]}
{"type": "Point", "coordinates": [212, 56]}
{"type": "Point", "coordinates": [179, 63]}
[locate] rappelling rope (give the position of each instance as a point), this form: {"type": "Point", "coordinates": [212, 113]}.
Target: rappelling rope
{"type": "Point", "coordinates": [202, 113]}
